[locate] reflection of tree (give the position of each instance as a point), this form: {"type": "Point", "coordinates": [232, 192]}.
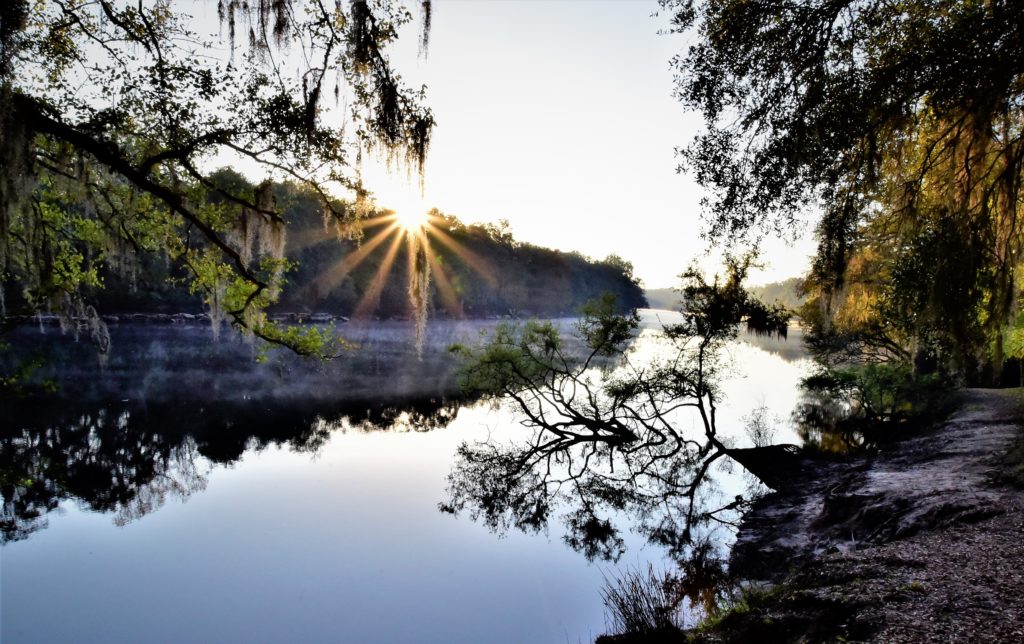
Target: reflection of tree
{"type": "Point", "coordinates": [651, 606]}
{"type": "Point", "coordinates": [606, 433]}
{"type": "Point", "coordinates": [99, 458]}
{"type": "Point", "coordinates": [181, 474]}
{"type": "Point", "coordinates": [418, 415]}
{"type": "Point", "coordinates": [824, 423]}
{"type": "Point", "coordinates": [129, 460]}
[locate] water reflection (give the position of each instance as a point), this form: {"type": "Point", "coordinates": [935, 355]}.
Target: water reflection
{"type": "Point", "coordinates": [791, 348]}
{"type": "Point", "coordinates": [128, 460]}
{"type": "Point", "coordinates": [146, 425]}
{"type": "Point", "coordinates": [325, 525]}
{"type": "Point", "coordinates": [614, 424]}
{"type": "Point", "coordinates": [828, 425]}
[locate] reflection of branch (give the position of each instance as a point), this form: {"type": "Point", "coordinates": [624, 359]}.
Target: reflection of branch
{"type": "Point", "coordinates": [605, 439]}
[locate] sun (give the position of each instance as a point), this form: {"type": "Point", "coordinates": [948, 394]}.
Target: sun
{"type": "Point", "coordinates": [412, 219]}
{"type": "Point", "coordinates": [404, 219]}
{"type": "Point", "coordinates": [408, 209]}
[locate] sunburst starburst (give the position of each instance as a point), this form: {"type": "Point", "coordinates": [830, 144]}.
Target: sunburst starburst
{"type": "Point", "coordinates": [412, 223]}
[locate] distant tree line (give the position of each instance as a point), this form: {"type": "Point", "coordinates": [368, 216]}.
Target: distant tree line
{"type": "Point", "coordinates": [478, 270]}
{"type": "Point", "coordinates": [788, 293]}
{"type": "Point", "coordinates": [663, 298]}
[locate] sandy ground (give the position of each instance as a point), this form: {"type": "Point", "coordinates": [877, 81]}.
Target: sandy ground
{"type": "Point", "coordinates": [923, 542]}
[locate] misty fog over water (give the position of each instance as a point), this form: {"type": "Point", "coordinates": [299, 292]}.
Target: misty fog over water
{"type": "Point", "coordinates": [288, 500]}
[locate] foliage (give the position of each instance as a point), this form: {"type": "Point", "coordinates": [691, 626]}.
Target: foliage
{"type": "Point", "coordinates": [20, 380]}
{"type": "Point", "coordinates": [605, 427]}
{"type": "Point", "coordinates": [901, 123]}
{"type": "Point", "coordinates": [738, 605]}
{"type": "Point", "coordinates": [868, 403]}
{"type": "Point", "coordinates": [110, 109]}
{"type": "Point", "coordinates": [880, 393]}
{"type": "Point", "coordinates": [642, 602]}
{"type": "Point", "coordinates": [759, 426]}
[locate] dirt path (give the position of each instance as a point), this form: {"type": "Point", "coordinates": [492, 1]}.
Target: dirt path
{"type": "Point", "coordinates": [921, 543]}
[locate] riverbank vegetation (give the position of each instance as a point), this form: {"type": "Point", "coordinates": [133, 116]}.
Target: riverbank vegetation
{"type": "Point", "coordinates": [895, 129]}
{"type": "Point", "coordinates": [606, 429]}
{"type": "Point", "coordinates": [906, 151]}
{"type": "Point", "coordinates": [898, 124]}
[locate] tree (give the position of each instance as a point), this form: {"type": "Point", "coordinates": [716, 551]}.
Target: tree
{"type": "Point", "coordinates": [109, 109]}
{"type": "Point", "coordinates": [901, 123]}
{"type": "Point", "coordinates": [605, 427]}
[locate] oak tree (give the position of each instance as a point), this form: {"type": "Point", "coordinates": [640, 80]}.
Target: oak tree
{"type": "Point", "coordinates": [898, 125]}
{"type": "Point", "coordinates": [110, 109]}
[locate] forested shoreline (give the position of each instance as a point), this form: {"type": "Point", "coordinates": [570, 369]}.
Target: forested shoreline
{"type": "Point", "coordinates": [486, 272]}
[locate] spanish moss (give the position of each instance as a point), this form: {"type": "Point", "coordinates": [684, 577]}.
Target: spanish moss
{"type": "Point", "coordinates": [419, 286]}
{"type": "Point", "coordinates": [426, 14]}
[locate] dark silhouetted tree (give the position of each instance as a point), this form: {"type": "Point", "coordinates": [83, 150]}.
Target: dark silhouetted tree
{"type": "Point", "coordinates": [607, 429]}
{"type": "Point", "coordinates": [108, 110]}
{"type": "Point", "coordinates": [900, 123]}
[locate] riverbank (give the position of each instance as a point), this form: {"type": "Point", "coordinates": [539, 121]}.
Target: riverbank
{"type": "Point", "coordinates": [921, 542]}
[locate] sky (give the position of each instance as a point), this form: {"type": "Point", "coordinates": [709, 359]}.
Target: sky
{"type": "Point", "coordinates": [558, 116]}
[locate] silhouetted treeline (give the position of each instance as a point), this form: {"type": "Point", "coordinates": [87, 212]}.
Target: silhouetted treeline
{"type": "Point", "coordinates": [786, 293]}
{"type": "Point", "coordinates": [475, 270]}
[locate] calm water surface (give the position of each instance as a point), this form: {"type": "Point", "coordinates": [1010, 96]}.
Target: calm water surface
{"type": "Point", "coordinates": [287, 516]}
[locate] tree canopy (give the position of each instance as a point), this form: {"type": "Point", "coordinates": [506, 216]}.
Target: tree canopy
{"type": "Point", "coordinates": [901, 124]}
{"type": "Point", "coordinates": [109, 110]}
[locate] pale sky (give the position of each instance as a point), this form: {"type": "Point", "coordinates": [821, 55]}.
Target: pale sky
{"type": "Point", "coordinates": [558, 116]}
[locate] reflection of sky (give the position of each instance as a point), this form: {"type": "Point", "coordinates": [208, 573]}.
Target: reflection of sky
{"type": "Point", "coordinates": [753, 378]}
{"type": "Point", "coordinates": [344, 545]}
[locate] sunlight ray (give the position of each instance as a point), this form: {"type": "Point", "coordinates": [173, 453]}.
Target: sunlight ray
{"type": "Point", "coordinates": [372, 222]}
{"type": "Point", "coordinates": [444, 285]}
{"type": "Point", "coordinates": [477, 263]}
{"type": "Point", "coordinates": [369, 300]}
{"type": "Point", "coordinates": [306, 238]}
{"type": "Point", "coordinates": [333, 276]}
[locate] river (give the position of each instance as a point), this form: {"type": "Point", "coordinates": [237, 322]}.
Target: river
{"type": "Point", "coordinates": [186, 492]}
